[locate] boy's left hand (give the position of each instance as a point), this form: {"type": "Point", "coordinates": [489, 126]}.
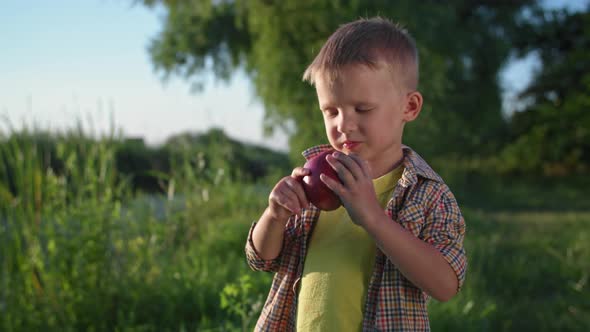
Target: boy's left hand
{"type": "Point", "coordinates": [356, 191]}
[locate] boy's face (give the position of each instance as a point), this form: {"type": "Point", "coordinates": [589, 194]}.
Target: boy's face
{"type": "Point", "coordinates": [364, 112]}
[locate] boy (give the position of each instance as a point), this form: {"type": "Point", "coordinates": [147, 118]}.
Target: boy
{"type": "Point", "coordinates": [397, 239]}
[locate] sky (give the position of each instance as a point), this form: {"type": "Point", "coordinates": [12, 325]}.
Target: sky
{"type": "Point", "coordinates": [66, 61]}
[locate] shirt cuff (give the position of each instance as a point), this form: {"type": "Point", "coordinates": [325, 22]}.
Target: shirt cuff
{"type": "Point", "coordinates": [254, 260]}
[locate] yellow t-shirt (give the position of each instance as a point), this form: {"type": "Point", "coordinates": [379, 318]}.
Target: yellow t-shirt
{"type": "Point", "coordinates": [338, 268]}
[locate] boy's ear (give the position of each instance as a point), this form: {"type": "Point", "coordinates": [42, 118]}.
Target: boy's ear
{"type": "Point", "coordinates": [413, 106]}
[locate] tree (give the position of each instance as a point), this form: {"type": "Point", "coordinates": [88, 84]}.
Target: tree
{"type": "Point", "coordinates": [552, 135]}
{"type": "Point", "coordinates": [462, 46]}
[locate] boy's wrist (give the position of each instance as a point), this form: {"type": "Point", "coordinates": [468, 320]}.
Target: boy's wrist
{"type": "Point", "coordinates": [375, 219]}
{"type": "Point", "coordinates": [274, 219]}
{"type": "Point", "coordinates": [372, 218]}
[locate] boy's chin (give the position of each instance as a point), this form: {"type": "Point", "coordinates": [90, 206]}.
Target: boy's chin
{"type": "Point", "coordinates": [335, 147]}
{"type": "Point", "coordinates": [357, 151]}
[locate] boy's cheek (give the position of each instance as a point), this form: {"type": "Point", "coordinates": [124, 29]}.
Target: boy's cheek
{"type": "Point", "coordinates": [333, 135]}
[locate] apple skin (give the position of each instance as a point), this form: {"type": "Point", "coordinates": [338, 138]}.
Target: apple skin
{"type": "Point", "coordinates": [316, 191]}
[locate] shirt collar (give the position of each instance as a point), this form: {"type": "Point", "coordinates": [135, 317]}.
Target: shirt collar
{"type": "Point", "coordinates": [414, 165]}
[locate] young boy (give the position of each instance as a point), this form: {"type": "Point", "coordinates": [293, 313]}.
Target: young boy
{"type": "Point", "coordinates": [397, 239]}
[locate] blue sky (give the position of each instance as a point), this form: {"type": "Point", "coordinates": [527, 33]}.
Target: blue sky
{"type": "Point", "coordinates": [66, 60]}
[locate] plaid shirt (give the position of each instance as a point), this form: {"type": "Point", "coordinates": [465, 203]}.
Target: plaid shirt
{"type": "Point", "coordinates": [423, 204]}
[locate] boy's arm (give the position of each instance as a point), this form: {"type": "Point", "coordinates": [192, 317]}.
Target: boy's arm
{"type": "Point", "coordinates": [417, 260]}
{"type": "Point", "coordinates": [437, 263]}
{"type": "Point", "coordinates": [257, 260]}
{"type": "Point", "coordinates": [266, 237]}
{"type": "Point", "coordinates": [427, 264]}
{"type": "Point", "coordinates": [444, 229]}
{"type": "Point", "coordinates": [266, 242]}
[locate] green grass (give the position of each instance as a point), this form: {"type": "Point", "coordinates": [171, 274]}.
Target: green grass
{"type": "Point", "coordinates": [80, 252]}
{"type": "Point", "coordinates": [528, 271]}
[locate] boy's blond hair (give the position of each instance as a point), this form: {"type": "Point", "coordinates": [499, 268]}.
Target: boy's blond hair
{"type": "Point", "coordinates": [370, 42]}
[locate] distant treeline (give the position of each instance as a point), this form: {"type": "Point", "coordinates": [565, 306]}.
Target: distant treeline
{"type": "Point", "coordinates": [146, 168]}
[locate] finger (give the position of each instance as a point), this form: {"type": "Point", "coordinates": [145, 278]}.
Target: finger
{"type": "Point", "coordinates": [334, 185]}
{"type": "Point", "coordinates": [343, 172]}
{"type": "Point", "coordinates": [288, 200]}
{"type": "Point", "coordinates": [300, 172]}
{"type": "Point", "coordinates": [294, 188]}
{"type": "Point", "coordinates": [297, 188]}
{"type": "Point", "coordinates": [351, 164]}
{"type": "Point", "coordinates": [276, 205]}
{"type": "Point", "coordinates": [362, 163]}
{"type": "Point", "coordinates": [283, 195]}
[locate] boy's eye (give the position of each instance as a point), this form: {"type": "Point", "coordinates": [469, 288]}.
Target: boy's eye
{"type": "Point", "coordinates": [330, 112]}
{"type": "Point", "coordinates": [363, 110]}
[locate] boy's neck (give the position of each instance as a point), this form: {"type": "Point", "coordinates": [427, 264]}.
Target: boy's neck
{"type": "Point", "coordinates": [397, 158]}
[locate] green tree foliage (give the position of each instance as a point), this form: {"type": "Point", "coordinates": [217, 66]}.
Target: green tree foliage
{"type": "Point", "coordinates": [217, 152]}
{"type": "Point", "coordinates": [552, 135]}
{"type": "Point", "coordinates": [462, 45]}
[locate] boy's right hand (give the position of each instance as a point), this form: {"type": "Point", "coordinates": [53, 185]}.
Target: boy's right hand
{"type": "Point", "coordinates": [287, 197]}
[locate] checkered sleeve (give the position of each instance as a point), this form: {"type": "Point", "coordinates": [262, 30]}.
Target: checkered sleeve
{"type": "Point", "coordinates": [445, 230]}
{"type": "Point", "coordinates": [255, 261]}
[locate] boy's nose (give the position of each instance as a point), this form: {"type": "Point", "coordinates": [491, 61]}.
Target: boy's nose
{"type": "Point", "coordinates": [346, 124]}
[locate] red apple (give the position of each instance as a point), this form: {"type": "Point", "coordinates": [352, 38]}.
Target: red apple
{"type": "Point", "coordinates": [316, 191]}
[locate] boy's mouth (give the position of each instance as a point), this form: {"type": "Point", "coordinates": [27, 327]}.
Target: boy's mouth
{"type": "Point", "coordinates": [350, 145]}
